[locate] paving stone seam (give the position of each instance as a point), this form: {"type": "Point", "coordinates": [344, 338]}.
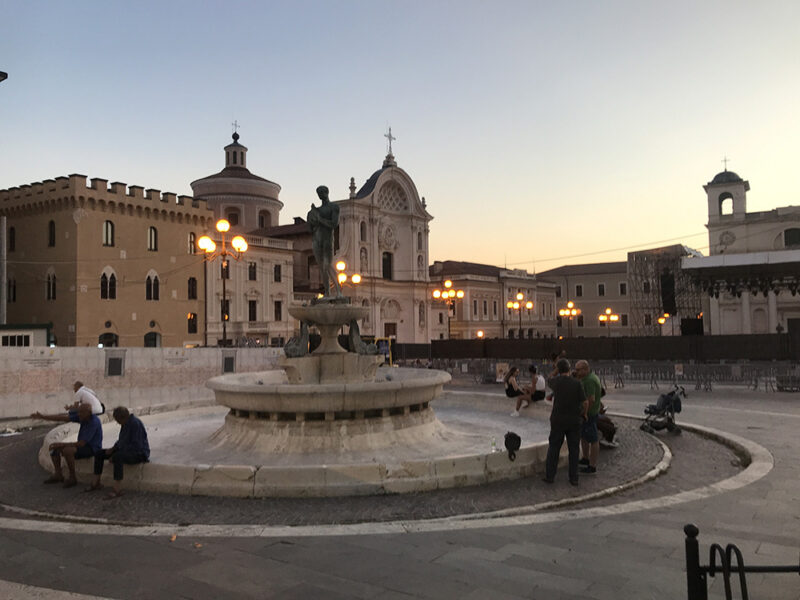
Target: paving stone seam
{"type": "Point", "coordinates": [761, 462]}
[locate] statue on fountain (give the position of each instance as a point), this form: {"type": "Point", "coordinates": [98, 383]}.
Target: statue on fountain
{"type": "Point", "coordinates": [323, 221]}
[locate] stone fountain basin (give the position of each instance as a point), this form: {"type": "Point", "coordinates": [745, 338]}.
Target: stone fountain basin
{"type": "Point", "coordinates": [270, 392]}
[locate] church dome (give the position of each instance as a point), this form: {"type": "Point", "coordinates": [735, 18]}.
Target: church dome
{"type": "Point", "coordinates": [726, 177]}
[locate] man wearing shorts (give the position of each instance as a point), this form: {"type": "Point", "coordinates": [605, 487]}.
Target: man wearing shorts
{"type": "Point", "coordinates": [90, 440]}
{"type": "Point", "coordinates": [590, 441]}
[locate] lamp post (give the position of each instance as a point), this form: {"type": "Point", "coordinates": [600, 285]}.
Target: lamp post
{"type": "Point", "coordinates": [449, 296]}
{"type": "Point", "coordinates": [238, 246]}
{"type": "Point", "coordinates": [569, 312]}
{"type": "Point", "coordinates": [518, 305]}
{"type": "Point", "coordinates": [607, 318]}
{"type": "Point", "coordinates": [662, 320]}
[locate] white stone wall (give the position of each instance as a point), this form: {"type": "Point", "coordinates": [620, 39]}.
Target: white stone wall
{"type": "Point", "coordinates": [154, 379]}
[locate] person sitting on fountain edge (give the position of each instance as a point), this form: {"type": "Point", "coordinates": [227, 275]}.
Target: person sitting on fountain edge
{"type": "Point", "coordinates": [131, 448]}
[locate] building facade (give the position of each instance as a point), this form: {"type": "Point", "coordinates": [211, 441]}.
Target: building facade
{"type": "Point", "coordinates": [483, 310]}
{"type": "Point", "coordinates": [752, 275]}
{"type": "Point", "coordinates": [259, 283]}
{"type": "Point", "coordinates": [104, 263]}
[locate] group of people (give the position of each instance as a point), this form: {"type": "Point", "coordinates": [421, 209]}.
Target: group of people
{"type": "Point", "coordinates": [132, 447]}
{"type": "Point", "coordinates": [575, 416]}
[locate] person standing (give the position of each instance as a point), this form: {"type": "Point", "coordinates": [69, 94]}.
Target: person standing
{"type": "Point", "coordinates": [566, 418]}
{"type": "Point", "coordinates": [90, 440]}
{"type": "Point", "coordinates": [131, 448]}
{"type": "Point", "coordinates": [590, 440]}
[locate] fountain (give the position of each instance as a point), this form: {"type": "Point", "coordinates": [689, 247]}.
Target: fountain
{"type": "Point", "coordinates": [327, 423]}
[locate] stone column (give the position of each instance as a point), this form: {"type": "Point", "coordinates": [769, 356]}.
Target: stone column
{"type": "Point", "coordinates": [745, 306]}
{"type": "Point", "coordinates": [772, 310]}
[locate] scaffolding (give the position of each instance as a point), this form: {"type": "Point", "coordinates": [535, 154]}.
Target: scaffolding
{"type": "Point", "coordinates": [657, 283]}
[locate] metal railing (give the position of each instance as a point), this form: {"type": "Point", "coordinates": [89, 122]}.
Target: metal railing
{"type": "Point", "coordinates": [697, 574]}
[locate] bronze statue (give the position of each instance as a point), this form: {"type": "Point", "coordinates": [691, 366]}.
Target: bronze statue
{"type": "Point", "coordinates": [323, 221]}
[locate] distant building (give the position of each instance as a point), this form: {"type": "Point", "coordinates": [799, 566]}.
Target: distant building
{"type": "Point", "coordinates": [592, 288]}
{"type": "Point", "coordinates": [259, 287]}
{"type": "Point", "coordinates": [106, 264]}
{"type": "Point", "coordinates": [752, 276]}
{"type": "Point", "coordinates": [487, 291]}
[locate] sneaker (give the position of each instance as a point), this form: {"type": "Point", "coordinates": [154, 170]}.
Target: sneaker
{"type": "Point", "coordinates": [584, 461]}
{"type": "Point", "coordinates": [515, 413]}
{"type": "Point", "coordinates": [589, 470]}
{"type": "Point", "coordinates": [525, 404]}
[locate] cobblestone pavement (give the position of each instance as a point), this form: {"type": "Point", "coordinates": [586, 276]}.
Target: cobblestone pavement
{"type": "Point", "coordinates": [620, 555]}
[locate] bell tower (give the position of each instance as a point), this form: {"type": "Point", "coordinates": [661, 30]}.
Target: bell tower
{"type": "Point", "coordinates": [725, 186]}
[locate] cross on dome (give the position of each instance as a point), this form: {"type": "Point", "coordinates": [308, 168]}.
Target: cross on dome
{"type": "Point", "coordinates": [391, 138]}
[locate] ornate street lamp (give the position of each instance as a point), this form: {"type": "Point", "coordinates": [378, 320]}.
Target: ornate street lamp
{"type": "Point", "coordinates": [449, 296]}
{"type": "Point", "coordinates": [238, 246]}
{"type": "Point", "coordinates": [569, 312]}
{"type": "Point", "coordinates": [518, 306]}
{"type": "Point", "coordinates": [607, 318]}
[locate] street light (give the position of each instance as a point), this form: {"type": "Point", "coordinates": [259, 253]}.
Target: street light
{"type": "Point", "coordinates": [341, 276]}
{"type": "Point", "coordinates": [518, 306]}
{"type": "Point", "coordinates": [662, 320]}
{"type": "Point", "coordinates": [569, 312]}
{"type": "Point", "coordinates": [607, 318]}
{"type": "Point", "coordinates": [449, 296]}
{"type": "Point", "coordinates": [238, 246]}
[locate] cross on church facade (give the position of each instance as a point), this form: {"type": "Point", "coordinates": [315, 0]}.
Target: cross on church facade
{"type": "Point", "coordinates": [391, 138]}
{"type": "Point", "coordinates": [235, 126]}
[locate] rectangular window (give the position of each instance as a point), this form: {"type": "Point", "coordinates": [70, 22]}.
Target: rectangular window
{"type": "Point", "coordinates": [252, 310]}
{"type": "Point", "coordinates": [485, 308]}
{"type": "Point", "coordinates": [601, 289]}
{"type": "Point", "coordinates": [648, 320]}
{"type": "Point", "coordinates": [623, 320]}
{"type": "Point", "coordinates": [578, 291]}
{"type": "Point", "coordinates": [580, 320]}
{"type": "Point", "coordinates": [278, 310]}
{"type": "Point", "coordinates": [276, 273]}
{"type": "Point", "coordinates": [191, 323]}
{"type": "Point", "coordinates": [386, 264]}
{"type": "Point", "coordinates": [558, 291]}
{"type": "Point", "coordinates": [251, 271]}
{"type": "Point", "coordinates": [646, 287]}
{"type": "Point", "coordinates": [16, 340]}
{"type": "Point", "coordinates": [441, 318]}
{"type": "Point", "coordinates": [494, 308]}
{"type": "Point", "coordinates": [474, 308]}
{"type": "Point", "coordinates": [623, 289]}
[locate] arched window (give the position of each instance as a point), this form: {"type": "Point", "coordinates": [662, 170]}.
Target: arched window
{"type": "Point", "coordinates": [12, 289]}
{"type": "Point", "coordinates": [51, 234]}
{"type": "Point", "coordinates": [386, 264]}
{"type": "Point", "coordinates": [363, 230]}
{"type": "Point", "coordinates": [276, 273]}
{"type": "Point", "coordinates": [51, 286]}
{"type": "Point", "coordinates": [152, 239]}
{"type": "Point", "coordinates": [192, 242]}
{"type": "Point", "coordinates": [192, 291]}
{"type": "Point", "coordinates": [108, 233]}
{"type": "Point", "coordinates": [12, 239]}
{"type": "Point", "coordinates": [152, 339]}
{"type": "Point", "coordinates": [791, 237]}
{"type": "Point", "coordinates": [108, 284]}
{"type": "Point", "coordinates": [233, 215]}
{"type": "Point", "coordinates": [108, 340]}
{"type": "Point", "coordinates": [264, 219]}
{"type": "Point", "coordinates": [151, 287]}
{"type": "Point", "coordinates": [726, 203]}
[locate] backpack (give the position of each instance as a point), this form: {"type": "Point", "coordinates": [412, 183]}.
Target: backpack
{"type": "Point", "coordinates": [513, 442]}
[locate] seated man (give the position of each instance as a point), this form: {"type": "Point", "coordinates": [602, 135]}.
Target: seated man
{"type": "Point", "coordinates": [90, 440]}
{"type": "Point", "coordinates": [83, 395]}
{"type": "Point", "coordinates": [131, 448]}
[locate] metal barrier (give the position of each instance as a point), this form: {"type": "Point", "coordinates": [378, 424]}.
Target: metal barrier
{"type": "Point", "coordinates": [696, 574]}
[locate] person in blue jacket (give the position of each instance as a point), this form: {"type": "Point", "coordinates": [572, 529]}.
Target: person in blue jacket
{"type": "Point", "coordinates": [131, 448]}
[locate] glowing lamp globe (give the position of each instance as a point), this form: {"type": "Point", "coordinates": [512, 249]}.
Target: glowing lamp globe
{"type": "Point", "coordinates": [223, 226]}
{"type": "Point", "coordinates": [239, 244]}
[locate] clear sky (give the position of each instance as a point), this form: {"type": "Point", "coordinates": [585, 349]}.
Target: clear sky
{"type": "Point", "coordinates": [540, 133]}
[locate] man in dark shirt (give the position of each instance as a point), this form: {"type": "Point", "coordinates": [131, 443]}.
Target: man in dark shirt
{"type": "Point", "coordinates": [566, 418]}
{"type": "Point", "coordinates": [131, 448]}
{"type": "Point", "coordinates": [90, 440]}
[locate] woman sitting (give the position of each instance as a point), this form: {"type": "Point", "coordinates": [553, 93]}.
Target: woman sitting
{"type": "Point", "coordinates": [523, 395]}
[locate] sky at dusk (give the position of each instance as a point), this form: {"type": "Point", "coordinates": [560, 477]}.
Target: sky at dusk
{"type": "Point", "coordinates": [539, 133]}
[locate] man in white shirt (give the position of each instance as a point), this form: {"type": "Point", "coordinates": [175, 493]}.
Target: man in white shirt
{"type": "Point", "coordinates": [538, 385]}
{"type": "Point", "coordinates": [83, 395]}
